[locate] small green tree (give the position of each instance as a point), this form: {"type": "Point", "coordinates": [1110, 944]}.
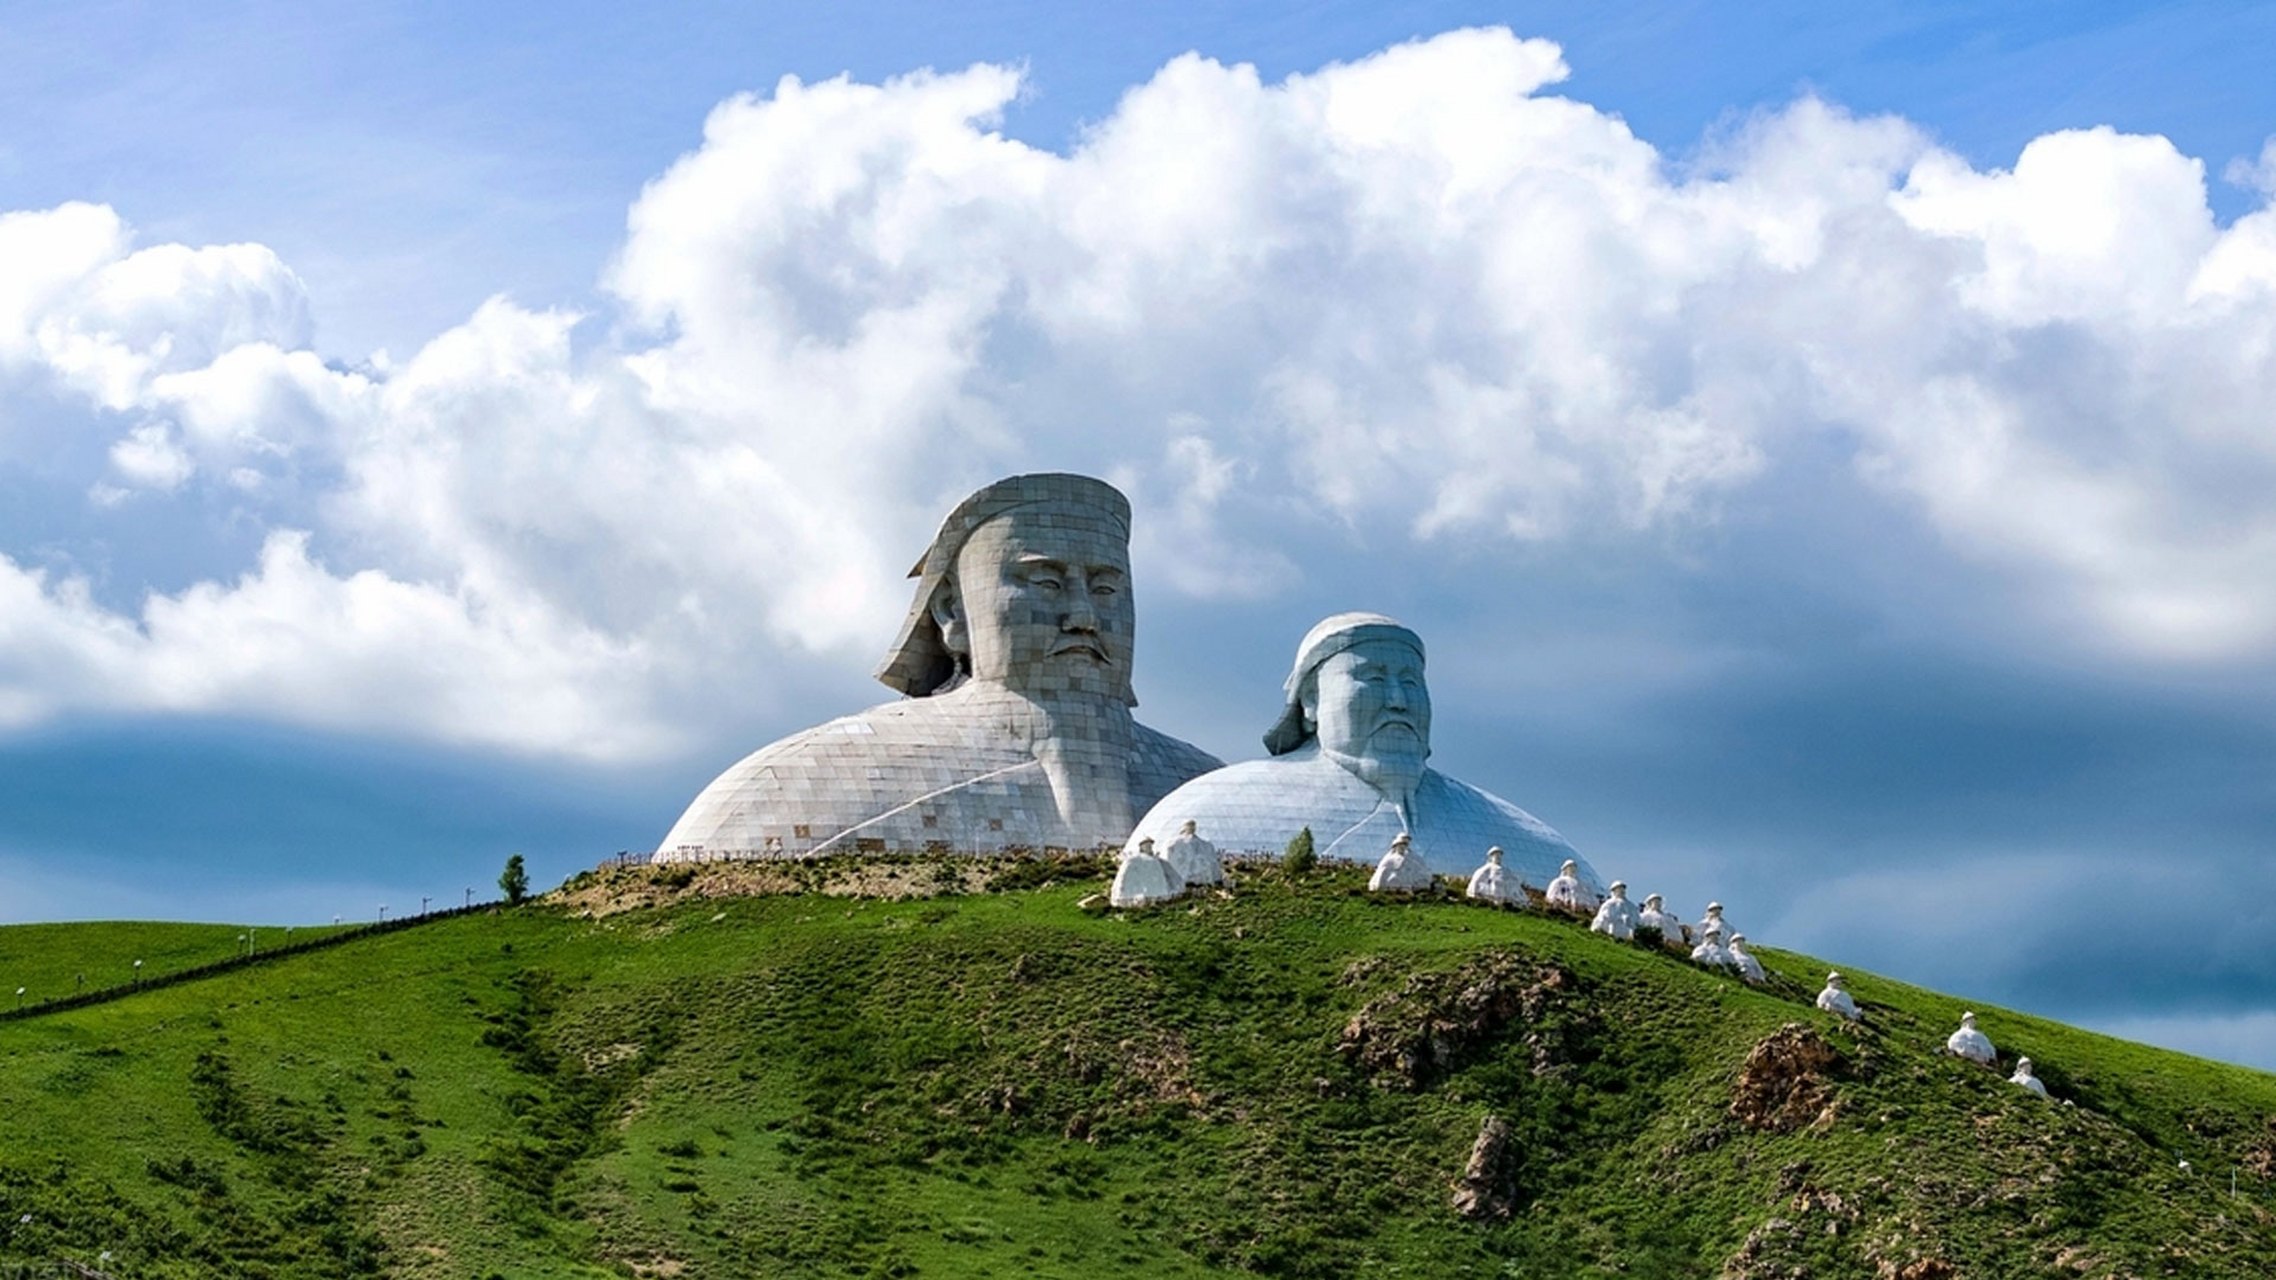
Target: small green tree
{"type": "Point", "coordinates": [1300, 857]}
{"type": "Point", "coordinates": [515, 881]}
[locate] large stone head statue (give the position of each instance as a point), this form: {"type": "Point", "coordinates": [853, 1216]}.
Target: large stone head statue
{"type": "Point", "coordinates": [1027, 585]}
{"type": "Point", "coordinates": [1357, 689]}
{"type": "Point", "coordinates": [1017, 732]}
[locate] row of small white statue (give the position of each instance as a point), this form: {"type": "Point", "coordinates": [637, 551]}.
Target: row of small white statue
{"type": "Point", "coordinates": [1967, 1042]}
{"type": "Point", "coordinates": [1146, 878]}
{"type": "Point", "coordinates": [1976, 1047]}
{"type": "Point", "coordinates": [1616, 917]}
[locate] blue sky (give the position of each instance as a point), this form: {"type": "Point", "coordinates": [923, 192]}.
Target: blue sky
{"type": "Point", "coordinates": [1827, 451]}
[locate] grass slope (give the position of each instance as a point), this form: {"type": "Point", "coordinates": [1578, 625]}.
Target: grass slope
{"type": "Point", "coordinates": [59, 960]}
{"type": "Point", "coordinates": [1287, 1081]}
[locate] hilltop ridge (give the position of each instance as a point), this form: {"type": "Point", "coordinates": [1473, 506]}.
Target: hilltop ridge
{"type": "Point", "coordinates": [946, 1067]}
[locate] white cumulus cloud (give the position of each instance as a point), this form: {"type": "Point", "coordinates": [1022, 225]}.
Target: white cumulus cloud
{"type": "Point", "coordinates": [1418, 298]}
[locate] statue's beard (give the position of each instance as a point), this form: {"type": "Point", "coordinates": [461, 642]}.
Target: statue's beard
{"type": "Point", "coordinates": [1394, 766]}
{"type": "Point", "coordinates": [1085, 741]}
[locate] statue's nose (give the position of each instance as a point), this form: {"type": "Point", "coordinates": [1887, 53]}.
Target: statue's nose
{"type": "Point", "coordinates": [1395, 694]}
{"type": "Point", "coordinates": [1081, 614]}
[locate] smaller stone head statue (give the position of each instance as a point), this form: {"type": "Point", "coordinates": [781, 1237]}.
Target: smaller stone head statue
{"type": "Point", "coordinates": [1357, 690]}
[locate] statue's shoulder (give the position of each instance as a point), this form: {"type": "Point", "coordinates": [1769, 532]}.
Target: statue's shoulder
{"type": "Point", "coordinates": [884, 730]}
{"type": "Point", "coordinates": [1448, 788]}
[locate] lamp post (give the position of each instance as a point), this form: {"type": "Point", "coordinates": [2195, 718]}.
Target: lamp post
{"type": "Point", "coordinates": [19, 997]}
{"type": "Point", "coordinates": [383, 913]}
{"type": "Point", "coordinates": [423, 901]}
{"type": "Point", "coordinates": [470, 896]}
{"type": "Point", "coordinates": [138, 973]}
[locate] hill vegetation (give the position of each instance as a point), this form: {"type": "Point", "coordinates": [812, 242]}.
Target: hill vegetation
{"type": "Point", "coordinates": [751, 1071]}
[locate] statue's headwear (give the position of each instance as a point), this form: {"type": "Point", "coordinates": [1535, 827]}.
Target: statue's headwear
{"type": "Point", "coordinates": [1331, 637]}
{"type": "Point", "coordinates": [919, 663]}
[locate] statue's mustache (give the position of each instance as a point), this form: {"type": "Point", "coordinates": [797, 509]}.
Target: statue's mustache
{"type": "Point", "coordinates": [1096, 650]}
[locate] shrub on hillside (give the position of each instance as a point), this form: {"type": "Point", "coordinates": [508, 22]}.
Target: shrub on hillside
{"type": "Point", "coordinates": [1301, 856]}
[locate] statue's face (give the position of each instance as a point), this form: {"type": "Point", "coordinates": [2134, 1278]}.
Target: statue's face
{"type": "Point", "coordinates": [1369, 702]}
{"type": "Point", "coordinates": [1041, 603]}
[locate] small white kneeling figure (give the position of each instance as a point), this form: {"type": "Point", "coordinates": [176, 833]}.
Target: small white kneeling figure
{"type": "Point", "coordinates": [1569, 892]}
{"type": "Point", "coordinates": [1493, 882]}
{"type": "Point", "coordinates": [1710, 950]}
{"type": "Point", "coordinates": [1195, 859]}
{"type": "Point", "coordinates": [1749, 968]}
{"type": "Point", "coordinates": [1970, 1043]}
{"type": "Point", "coordinates": [2024, 1077]}
{"type": "Point", "coordinates": [1144, 878]}
{"type": "Point", "coordinates": [1617, 917]}
{"type": "Point", "coordinates": [1400, 870]}
{"type": "Point", "coordinates": [1836, 999]}
{"type": "Point", "coordinates": [1714, 920]}
{"type": "Point", "coordinates": [1655, 915]}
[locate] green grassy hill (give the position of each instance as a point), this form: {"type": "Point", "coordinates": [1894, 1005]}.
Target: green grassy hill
{"type": "Point", "coordinates": [671, 1074]}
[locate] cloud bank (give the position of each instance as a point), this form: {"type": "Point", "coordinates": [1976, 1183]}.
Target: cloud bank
{"type": "Point", "coordinates": [1416, 300]}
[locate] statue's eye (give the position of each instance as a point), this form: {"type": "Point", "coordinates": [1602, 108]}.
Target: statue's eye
{"type": "Point", "coordinates": [1048, 581]}
{"type": "Point", "coordinates": [1104, 589]}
